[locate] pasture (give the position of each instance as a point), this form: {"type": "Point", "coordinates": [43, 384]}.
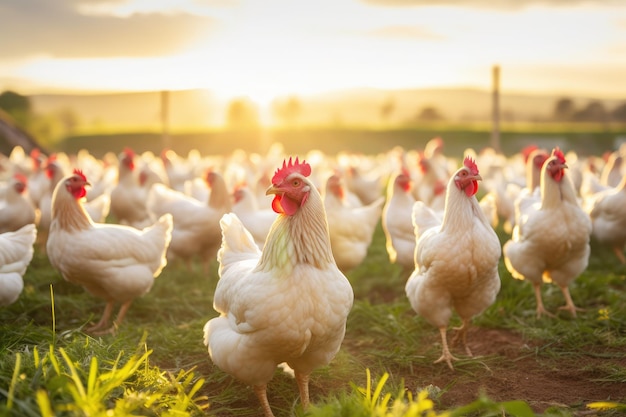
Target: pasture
{"type": "Point", "coordinates": [157, 365]}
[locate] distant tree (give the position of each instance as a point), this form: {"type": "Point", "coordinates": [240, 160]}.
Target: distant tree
{"type": "Point", "coordinates": [564, 109]}
{"type": "Point", "coordinates": [429, 114]}
{"type": "Point", "coordinates": [387, 109]}
{"type": "Point", "coordinates": [619, 113]}
{"type": "Point", "coordinates": [69, 120]}
{"type": "Point", "coordinates": [594, 111]}
{"type": "Point", "coordinates": [18, 106]}
{"type": "Point", "coordinates": [242, 114]}
{"type": "Point", "coordinates": [288, 111]}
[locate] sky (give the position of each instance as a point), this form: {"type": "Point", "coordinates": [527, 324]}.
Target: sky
{"type": "Point", "coordinates": [265, 49]}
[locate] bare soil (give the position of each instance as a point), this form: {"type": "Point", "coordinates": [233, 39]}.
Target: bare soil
{"type": "Point", "coordinates": [513, 369]}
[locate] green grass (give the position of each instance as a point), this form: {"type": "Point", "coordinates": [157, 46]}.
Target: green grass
{"type": "Point", "coordinates": [157, 365]}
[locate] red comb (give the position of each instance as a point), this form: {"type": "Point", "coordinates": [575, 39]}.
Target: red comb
{"type": "Point", "coordinates": [471, 164]}
{"type": "Point", "coordinates": [128, 151]}
{"type": "Point", "coordinates": [20, 177]}
{"type": "Point", "coordinates": [559, 154]}
{"type": "Point", "coordinates": [80, 174]}
{"type": "Point", "coordinates": [303, 168]}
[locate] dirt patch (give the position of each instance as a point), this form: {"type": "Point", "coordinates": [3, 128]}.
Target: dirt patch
{"type": "Point", "coordinates": [506, 367]}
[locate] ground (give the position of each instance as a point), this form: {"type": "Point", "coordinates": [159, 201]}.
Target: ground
{"type": "Point", "coordinates": [512, 370]}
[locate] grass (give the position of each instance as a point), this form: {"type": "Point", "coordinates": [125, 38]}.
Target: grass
{"type": "Point", "coordinates": [157, 365]}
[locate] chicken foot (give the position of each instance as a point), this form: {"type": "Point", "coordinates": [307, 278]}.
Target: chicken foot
{"type": "Point", "coordinates": [540, 308]}
{"type": "Point", "coordinates": [569, 304]}
{"type": "Point", "coordinates": [445, 355]}
{"type": "Point", "coordinates": [104, 321]}
{"type": "Point", "coordinates": [462, 336]}
{"type": "Point", "coordinates": [303, 387]}
{"type": "Point", "coordinates": [261, 393]}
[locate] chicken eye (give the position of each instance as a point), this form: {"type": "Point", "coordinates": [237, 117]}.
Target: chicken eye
{"type": "Point", "coordinates": [295, 183]}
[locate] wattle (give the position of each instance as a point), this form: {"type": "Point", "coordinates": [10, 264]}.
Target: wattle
{"type": "Point", "coordinates": [284, 205]}
{"type": "Point", "coordinates": [472, 188]}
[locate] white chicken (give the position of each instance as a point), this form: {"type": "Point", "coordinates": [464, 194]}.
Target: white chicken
{"type": "Point", "coordinates": [256, 220]}
{"type": "Point", "coordinates": [551, 240]}
{"type": "Point", "coordinates": [396, 221]}
{"type": "Point", "coordinates": [114, 262]}
{"type": "Point", "coordinates": [607, 210]}
{"type": "Point", "coordinates": [16, 252]}
{"type": "Point", "coordinates": [128, 197]}
{"type": "Point", "coordinates": [196, 223]}
{"type": "Point", "coordinates": [16, 208]}
{"type": "Point", "coordinates": [287, 304]}
{"type": "Point", "coordinates": [456, 260]}
{"type": "Point", "coordinates": [351, 228]}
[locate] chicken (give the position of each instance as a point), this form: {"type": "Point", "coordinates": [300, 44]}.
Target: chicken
{"type": "Point", "coordinates": [607, 210]}
{"type": "Point", "coordinates": [16, 252]}
{"type": "Point", "coordinates": [531, 193]}
{"type": "Point", "coordinates": [396, 221]}
{"type": "Point", "coordinates": [351, 228]}
{"type": "Point", "coordinates": [365, 188]}
{"type": "Point", "coordinates": [286, 304]}
{"type": "Point", "coordinates": [429, 184]}
{"type": "Point", "coordinates": [16, 209]}
{"type": "Point", "coordinates": [257, 221]}
{"type": "Point", "coordinates": [611, 174]}
{"type": "Point", "coordinates": [114, 262]}
{"type": "Point", "coordinates": [55, 171]}
{"type": "Point", "coordinates": [456, 260]}
{"type": "Point", "coordinates": [196, 223]}
{"type": "Point", "coordinates": [128, 197]}
{"type": "Point", "coordinates": [177, 169]}
{"type": "Point", "coordinates": [551, 240]}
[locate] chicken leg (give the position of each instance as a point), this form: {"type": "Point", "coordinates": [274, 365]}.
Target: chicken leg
{"type": "Point", "coordinates": [303, 387]}
{"type": "Point", "coordinates": [104, 321]}
{"type": "Point", "coordinates": [261, 393]}
{"type": "Point", "coordinates": [445, 355]}
{"type": "Point", "coordinates": [619, 254]}
{"type": "Point", "coordinates": [569, 304]}
{"type": "Point", "coordinates": [540, 308]}
{"type": "Point", "coordinates": [462, 336]}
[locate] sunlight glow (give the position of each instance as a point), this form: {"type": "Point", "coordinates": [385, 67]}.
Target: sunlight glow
{"type": "Point", "coordinates": [275, 48]}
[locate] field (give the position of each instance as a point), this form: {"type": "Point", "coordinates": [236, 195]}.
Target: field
{"type": "Point", "coordinates": [555, 366]}
{"type": "Point", "coordinates": [157, 365]}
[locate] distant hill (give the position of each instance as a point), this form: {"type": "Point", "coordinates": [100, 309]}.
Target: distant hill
{"type": "Point", "coordinates": [362, 107]}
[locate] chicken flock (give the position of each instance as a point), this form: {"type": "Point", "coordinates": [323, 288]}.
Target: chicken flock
{"type": "Point", "coordinates": [286, 230]}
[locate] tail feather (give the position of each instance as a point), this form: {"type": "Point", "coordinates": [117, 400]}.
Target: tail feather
{"type": "Point", "coordinates": [424, 218]}
{"type": "Point", "coordinates": [237, 242]}
{"type": "Point", "coordinates": [160, 236]}
{"type": "Point", "coordinates": [16, 249]}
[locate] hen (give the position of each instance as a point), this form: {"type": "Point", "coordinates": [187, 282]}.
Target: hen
{"type": "Point", "coordinates": [456, 261]}
{"type": "Point", "coordinates": [287, 304]}
{"type": "Point", "coordinates": [551, 240]}
{"type": "Point", "coordinates": [16, 252]}
{"type": "Point", "coordinates": [396, 221]}
{"type": "Point", "coordinates": [16, 209]}
{"type": "Point", "coordinates": [128, 196]}
{"type": "Point", "coordinates": [607, 210]}
{"type": "Point", "coordinates": [196, 223]}
{"type": "Point", "coordinates": [257, 221]}
{"type": "Point", "coordinates": [115, 262]}
{"type": "Point", "coordinates": [351, 228]}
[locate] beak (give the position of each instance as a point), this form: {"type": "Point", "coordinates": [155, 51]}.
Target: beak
{"type": "Point", "coordinates": [477, 177]}
{"type": "Point", "coordinates": [272, 190]}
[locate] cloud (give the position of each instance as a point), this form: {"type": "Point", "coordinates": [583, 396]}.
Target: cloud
{"type": "Point", "coordinates": [495, 5]}
{"type": "Point", "coordinates": [58, 28]}
{"type": "Point", "coordinates": [405, 32]}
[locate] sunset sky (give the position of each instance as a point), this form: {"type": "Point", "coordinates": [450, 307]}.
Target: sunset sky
{"type": "Point", "coordinates": [269, 48]}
